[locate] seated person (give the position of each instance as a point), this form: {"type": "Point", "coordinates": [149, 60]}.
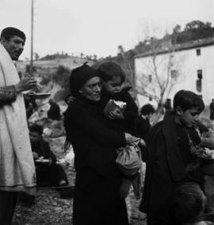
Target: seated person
{"type": "Point", "coordinates": [48, 172]}
{"type": "Point", "coordinates": [30, 105]}
{"type": "Point", "coordinates": [54, 111]}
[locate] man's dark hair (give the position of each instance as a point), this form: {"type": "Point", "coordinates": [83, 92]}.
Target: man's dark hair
{"type": "Point", "coordinates": [9, 32]}
{"type": "Point", "coordinates": [188, 100]}
{"type": "Point", "coordinates": [147, 109]}
{"type": "Point", "coordinates": [108, 70]}
{"type": "Point", "coordinates": [188, 202]}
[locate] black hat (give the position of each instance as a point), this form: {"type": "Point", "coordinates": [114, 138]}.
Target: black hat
{"type": "Point", "coordinates": [79, 76]}
{"type": "Point", "coordinates": [12, 31]}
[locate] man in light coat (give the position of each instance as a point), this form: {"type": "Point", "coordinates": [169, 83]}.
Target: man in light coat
{"type": "Point", "coordinates": [17, 172]}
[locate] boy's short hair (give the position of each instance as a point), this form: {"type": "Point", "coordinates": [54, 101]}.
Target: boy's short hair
{"type": "Point", "coordinates": [147, 109]}
{"type": "Point", "coordinates": [108, 70]}
{"type": "Point", "coordinates": [188, 100]}
{"type": "Point", "coordinates": [9, 32]}
{"type": "Point", "coordinates": [188, 202]}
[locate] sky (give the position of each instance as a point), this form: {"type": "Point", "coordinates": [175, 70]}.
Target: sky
{"type": "Point", "coordinates": [98, 26]}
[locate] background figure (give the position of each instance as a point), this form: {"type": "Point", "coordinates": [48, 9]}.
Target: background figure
{"type": "Point", "coordinates": [212, 110]}
{"type": "Point", "coordinates": [30, 105]}
{"type": "Point", "coordinates": [168, 105]}
{"type": "Point", "coordinates": [48, 173]}
{"type": "Point", "coordinates": [54, 111]}
{"type": "Point", "coordinates": [143, 124]}
{"type": "Point", "coordinates": [17, 172]}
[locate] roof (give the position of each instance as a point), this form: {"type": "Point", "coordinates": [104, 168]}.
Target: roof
{"type": "Point", "coordinates": [179, 47]}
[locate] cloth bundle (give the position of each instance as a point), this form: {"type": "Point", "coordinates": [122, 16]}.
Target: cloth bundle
{"type": "Point", "coordinates": [129, 159]}
{"type": "Point", "coordinates": [130, 165]}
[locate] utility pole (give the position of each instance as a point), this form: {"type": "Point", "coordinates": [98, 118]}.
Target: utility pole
{"type": "Point", "coordinates": [32, 30]}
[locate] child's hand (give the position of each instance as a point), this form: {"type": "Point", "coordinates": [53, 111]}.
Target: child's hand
{"type": "Point", "coordinates": [115, 114]}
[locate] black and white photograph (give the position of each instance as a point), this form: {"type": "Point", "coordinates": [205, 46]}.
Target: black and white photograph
{"type": "Point", "coordinates": [107, 112]}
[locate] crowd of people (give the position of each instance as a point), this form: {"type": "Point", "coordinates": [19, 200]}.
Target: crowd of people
{"type": "Point", "coordinates": [102, 119]}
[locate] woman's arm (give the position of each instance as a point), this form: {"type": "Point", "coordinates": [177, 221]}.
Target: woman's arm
{"type": "Point", "coordinates": [78, 117]}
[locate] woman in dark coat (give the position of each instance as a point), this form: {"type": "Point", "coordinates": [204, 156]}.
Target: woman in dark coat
{"type": "Point", "coordinates": [97, 199]}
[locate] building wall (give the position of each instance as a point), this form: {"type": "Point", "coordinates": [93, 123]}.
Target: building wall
{"type": "Point", "coordinates": [187, 63]}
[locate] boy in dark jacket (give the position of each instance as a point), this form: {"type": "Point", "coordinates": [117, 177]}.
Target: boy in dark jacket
{"type": "Point", "coordinates": [170, 157]}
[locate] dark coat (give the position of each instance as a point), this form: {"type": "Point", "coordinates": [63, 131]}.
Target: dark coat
{"type": "Point", "coordinates": [96, 199]}
{"type": "Point", "coordinates": [42, 148]}
{"type": "Point", "coordinates": [47, 174]}
{"type": "Point", "coordinates": [130, 113]}
{"type": "Point", "coordinates": [211, 111]}
{"type": "Point", "coordinates": [54, 111]}
{"type": "Point", "coordinates": [168, 156]}
{"type": "Point", "coordinates": [142, 130]}
{"type": "Point", "coordinates": [93, 141]}
{"type": "Point", "coordinates": [143, 127]}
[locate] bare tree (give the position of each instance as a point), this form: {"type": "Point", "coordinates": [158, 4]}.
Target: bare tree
{"type": "Point", "coordinates": [160, 71]}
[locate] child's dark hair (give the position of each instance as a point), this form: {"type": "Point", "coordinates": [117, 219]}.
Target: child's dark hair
{"type": "Point", "coordinates": [108, 70]}
{"type": "Point", "coordinates": [36, 128]}
{"type": "Point", "coordinates": [188, 203]}
{"type": "Point", "coordinates": [147, 109]}
{"type": "Point", "coordinates": [188, 100]}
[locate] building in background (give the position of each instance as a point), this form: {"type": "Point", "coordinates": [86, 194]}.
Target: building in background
{"type": "Point", "coordinates": [161, 72]}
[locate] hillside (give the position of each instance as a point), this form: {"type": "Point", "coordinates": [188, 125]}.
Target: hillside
{"type": "Point", "coordinates": [69, 62]}
{"type": "Point", "coordinates": [52, 75]}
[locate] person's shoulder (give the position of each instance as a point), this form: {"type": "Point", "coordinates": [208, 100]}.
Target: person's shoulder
{"type": "Point", "coordinates": [125, 90]}
{"type": "Point", "coordinates": [73, 107]}
{"type": "Point", "coordinates": [124, 95]}
{"type": "Point", "coordinates": [157, 127]}
{"type": "Point", "coordinates": [80, 106]}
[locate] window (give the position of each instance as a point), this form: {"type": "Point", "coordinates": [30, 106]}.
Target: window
{"type": "Point", "coordinates": [150, 78]}
{"type": "Point", "coordinates": [198, 51]}
{"type": "Point", "coordinates": [199, 85]}
{"type": "Point", "coordinates": [174, 74]}
{"type": "Point", "coordinates": [200, 74]}
{"type": "Point", "coordinates": [150, 98]}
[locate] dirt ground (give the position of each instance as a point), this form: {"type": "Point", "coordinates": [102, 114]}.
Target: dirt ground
{"type": "Point", "coordinates": [51, 209]}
